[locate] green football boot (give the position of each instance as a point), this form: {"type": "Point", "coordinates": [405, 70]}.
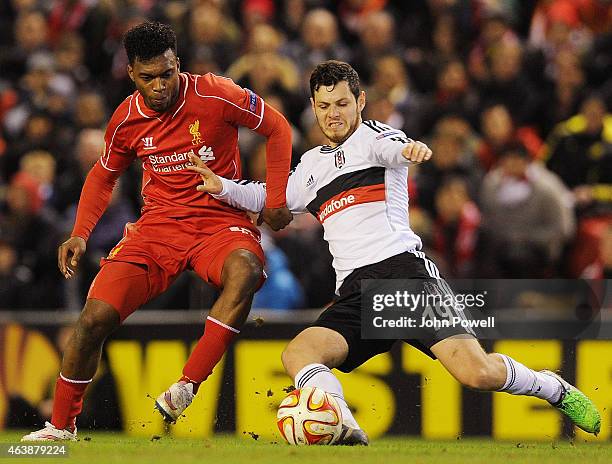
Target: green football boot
{"type": "Point", "coordinates": [577, 406]}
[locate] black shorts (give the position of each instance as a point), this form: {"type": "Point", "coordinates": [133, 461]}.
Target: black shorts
{"type": "Point", "coordinates": [344, 315]}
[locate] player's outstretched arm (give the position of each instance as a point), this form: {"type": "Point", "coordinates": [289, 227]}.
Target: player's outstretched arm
{"type": "Point", "coordinates": [249, 197]}
{"type": "Point", "coordinates": [246, 195]}
{"type": "Point", "coordinates": [393, 148]}
{"type": "Point", "coordinates": [416, 152]}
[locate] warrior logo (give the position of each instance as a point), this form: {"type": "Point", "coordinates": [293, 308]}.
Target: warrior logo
{"type": "Point", "coordinates": [148, 143]}
{"type": "Point", "coordinates": [194, 130]}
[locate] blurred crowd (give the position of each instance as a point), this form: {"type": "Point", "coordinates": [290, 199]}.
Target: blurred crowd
{"type": "Point", "coordinates": [513, 97]}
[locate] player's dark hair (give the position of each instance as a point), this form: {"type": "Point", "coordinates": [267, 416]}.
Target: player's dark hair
{"type": "Point", "coordinates": [148, 40]}
{"type": "Point", "coordinates": [329, 73]}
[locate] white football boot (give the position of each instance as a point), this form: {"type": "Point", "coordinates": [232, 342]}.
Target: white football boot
{"type": "Point", "coordinates": [175, 400]}
{"type": "Point", "coordinates": [51, 433]}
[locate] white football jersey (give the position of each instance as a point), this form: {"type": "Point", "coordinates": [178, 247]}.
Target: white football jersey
{"type": "Point", "coordinates": [358, 191]}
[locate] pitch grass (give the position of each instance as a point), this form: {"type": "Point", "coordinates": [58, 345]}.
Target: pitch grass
{"type": "Point", "coordinates": [109, 448]}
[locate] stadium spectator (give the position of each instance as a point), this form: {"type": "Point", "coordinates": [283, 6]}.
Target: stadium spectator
{"type": "Point", "coordinates": [31, 229]}
{"type": "Point", "coordinates": [452, 95]}
{"type": "Point", "coordinates": [264, 70]}
{"type": "Point", "coordinates": [508, 85]}
{"type": "Point", "coordinates": [37, 133]}
{"type": "Point", "coordinates": [211, 32]}
{"type": "Point", "coordinates": [30, 36]}
{"type": "Point", "coordinates": [522, 219]}
{"type": "Point", "coordinates": [494, 32]}
{"type": "Point", "coordinates": [391, 86]}
{"type": "Point", "coordinates": [353, 14]}
{"type": "Point", "coordinates": [376, 39]}
{"type": "Point", "coordinates": [564, 90]}
{"type": "Point", "coordinates": [257, 12]}
{"type": "Point", "coordinates": [40, 167]}
{"type": "Point", "coordinates": [456, 229]}
{"type": "Point", "coordinates": [14, 280]}
{"type": "Point", "coordinates": [446, 45]}
{"type": "Point", "coordinates": [454, 158]}
{"type": "Point", "coordinates": [579, 150]}
{"type": "Point", "coordinates": [319, 41]}
{"type": "Point", "coordinates": [499, 130]}
{"type": "Point", "coordinates": [558, 24]}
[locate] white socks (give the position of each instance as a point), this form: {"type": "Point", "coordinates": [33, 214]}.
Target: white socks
{"type": "Point", "coordinates": [520, 380]}
{"type": "Point", "coordinates": [318, 375]}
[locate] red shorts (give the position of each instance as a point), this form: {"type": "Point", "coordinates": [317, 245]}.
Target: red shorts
{"type": "Point", "coordinates": [155, 250]}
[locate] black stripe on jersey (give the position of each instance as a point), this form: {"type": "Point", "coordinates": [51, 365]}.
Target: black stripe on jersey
{"type": "Point", "coordinates": [246, 181]}
{"type": "Point", "coordinates": [377, 126]}
{"type": "Point", "coordinates": [372, 126]}
{"type": "Point", "coordinates": [351, 180]}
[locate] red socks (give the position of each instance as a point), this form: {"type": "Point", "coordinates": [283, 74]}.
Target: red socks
{"type": "Point", "coordinates": [68, 402]}
{"type": "Point", "coordinates": [208, 351]}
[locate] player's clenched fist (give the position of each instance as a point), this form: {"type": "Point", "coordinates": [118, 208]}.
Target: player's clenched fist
{"type": "Point", "coordinates": [416, 152]}
{"type": "Point", "coordinates": [72, 249]}
{"type": "Point", "coordinates": [276, 218]}
{"type": "Point", "coordinates": [210, 181]}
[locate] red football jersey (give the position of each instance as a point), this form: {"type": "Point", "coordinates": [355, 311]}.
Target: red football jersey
{"type": "Point", "coordinates": [204, 121]}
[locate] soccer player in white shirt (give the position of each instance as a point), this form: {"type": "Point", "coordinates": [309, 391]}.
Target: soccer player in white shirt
{"type": "Point", "coordinates": [356, 187]}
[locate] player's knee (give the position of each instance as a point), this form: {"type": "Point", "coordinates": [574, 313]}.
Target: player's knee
{"type": "Point", "coordinates": [96, 322]}
{"type": "Point", "coordinates": [243, 269]}
{"type": "Point", "coordinates": [477, 379]}
{"type": "Point", "coordinates": [286, 359]}
{"type": "Point", "coordinates": [483, 377]}
{"type": "Point", "coordinates": [289, 358]}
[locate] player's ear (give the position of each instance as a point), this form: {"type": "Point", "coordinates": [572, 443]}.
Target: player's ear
{"type": "Point", "coordinates": [361, 101]}
{"type": "Point", "coordinates": [312, 104]}
{"type": "Point", "coordinates": [178, 64]}
{"type": "Point", "coordinates": [130, 71]}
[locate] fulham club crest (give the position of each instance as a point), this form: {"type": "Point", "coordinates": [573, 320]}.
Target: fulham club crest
{"type": "Point", "coordinates": [339, 159]}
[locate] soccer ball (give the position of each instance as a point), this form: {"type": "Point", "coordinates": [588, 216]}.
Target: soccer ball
{"type": "Point", "coordinates": [309, 416]}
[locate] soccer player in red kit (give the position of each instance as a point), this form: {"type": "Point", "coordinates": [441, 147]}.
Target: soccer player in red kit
{"type": "Point", "coordinates": [170, 116]}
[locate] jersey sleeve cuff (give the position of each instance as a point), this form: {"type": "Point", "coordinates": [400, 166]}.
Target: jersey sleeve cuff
{"type": "Point", "coordinates": [224, 191]}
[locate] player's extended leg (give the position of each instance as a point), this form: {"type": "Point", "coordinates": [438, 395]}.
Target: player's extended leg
{"type": "Point", "coordinates": [126, 286]}
{"type": "Point", "coordinates": [308, 359]}
{"type": "Point", "coordinates": [467, 361]}
{"type": "Point", "coordinates": [241, 277]}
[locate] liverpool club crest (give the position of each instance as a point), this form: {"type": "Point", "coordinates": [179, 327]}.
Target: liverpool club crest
{"type": "Point", "coordinates": [194, 130]}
